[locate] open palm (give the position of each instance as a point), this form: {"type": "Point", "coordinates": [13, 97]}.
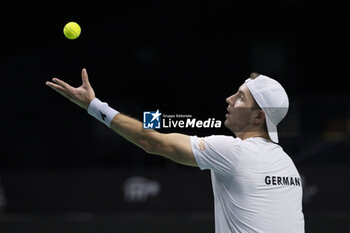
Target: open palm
{"type": "Point", "coordinates": [82, 96]}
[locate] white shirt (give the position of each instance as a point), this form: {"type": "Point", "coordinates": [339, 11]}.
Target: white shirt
{"type": "Point", "coordinates": [256, 185]}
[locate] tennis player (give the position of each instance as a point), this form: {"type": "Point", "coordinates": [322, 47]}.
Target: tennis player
{"type": "Point", "coordinates": [256, 185]}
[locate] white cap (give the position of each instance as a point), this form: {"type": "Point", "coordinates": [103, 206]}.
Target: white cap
{"type": "Point", "coordinates": [272, 98]}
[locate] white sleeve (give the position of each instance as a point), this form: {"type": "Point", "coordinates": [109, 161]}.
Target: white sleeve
{"type": "Point", "coordinates": [217, 153]}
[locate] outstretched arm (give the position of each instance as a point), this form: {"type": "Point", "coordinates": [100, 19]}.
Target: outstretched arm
{"type": "Point", "coordinates": [176, 147]}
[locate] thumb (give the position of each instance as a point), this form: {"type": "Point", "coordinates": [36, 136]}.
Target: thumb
{"type": "Point", "coordinates": [85, 77]}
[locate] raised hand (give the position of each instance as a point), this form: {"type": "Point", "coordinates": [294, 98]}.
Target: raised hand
{"type": "Point", "coordinates": [82, 96]}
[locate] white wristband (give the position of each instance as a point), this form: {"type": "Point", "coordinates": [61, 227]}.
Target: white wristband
{"type": "Point", "coordinates": [101, 111]}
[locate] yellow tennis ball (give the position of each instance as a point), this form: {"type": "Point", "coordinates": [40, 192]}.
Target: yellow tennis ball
{"type": "Point", "coordinates": [72, 30]}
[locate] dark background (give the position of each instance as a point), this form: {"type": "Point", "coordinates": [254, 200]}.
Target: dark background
{"type": "Point", "coordinates": [60, 167]}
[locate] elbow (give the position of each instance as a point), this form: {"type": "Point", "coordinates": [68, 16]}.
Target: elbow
{"type": "Point", "coordinates": [153, 143]}
{"type": "Point", "coordinates": [148, 146]}
{"type": "Point", "coordinates": [149, 149]}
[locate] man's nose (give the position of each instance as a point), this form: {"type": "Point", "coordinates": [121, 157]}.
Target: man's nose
{"type": "Point", "coordinates": [229, 100]}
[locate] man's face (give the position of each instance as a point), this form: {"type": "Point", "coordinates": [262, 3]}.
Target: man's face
{"type": "Point", "coordinates": [241, 110]}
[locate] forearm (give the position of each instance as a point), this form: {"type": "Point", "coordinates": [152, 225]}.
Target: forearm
{"type": "Point", "coordinates": [132, 130]}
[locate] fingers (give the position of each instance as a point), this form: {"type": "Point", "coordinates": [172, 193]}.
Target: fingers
{"type": "Point", "coordinates": [58, 88]}
{"type": "Point", "coordinates": [63, 84]}
{"type": "Point", "coordinates": [85, 77]}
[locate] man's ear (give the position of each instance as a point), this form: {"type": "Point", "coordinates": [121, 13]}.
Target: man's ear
{"type": "Point", "coordinates": [259, 117]}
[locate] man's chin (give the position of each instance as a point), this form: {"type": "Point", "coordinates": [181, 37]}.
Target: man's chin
{"type": "Point", "coordinates": [227, 125]}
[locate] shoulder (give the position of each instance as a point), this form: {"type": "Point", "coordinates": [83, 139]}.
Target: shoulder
{"type": "Point", "coordinates": [217, 144]}
{"type": "Point", "coordinates": [262, 151]}
{"type": "Point", "coordinates": [223, 139]}
{"type": "Point", "coordinates": [217, 140]}
{"type": "Point", "coordinates": [257, 143]}
{"type": "Point", "coordinates": [217, 152]}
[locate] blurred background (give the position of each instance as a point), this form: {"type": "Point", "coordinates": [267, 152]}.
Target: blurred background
{"type": "Point", "coordinates": [63, 171]}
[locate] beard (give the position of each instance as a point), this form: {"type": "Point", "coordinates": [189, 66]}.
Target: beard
{"type": "Point", "coordinates": [239, 120]}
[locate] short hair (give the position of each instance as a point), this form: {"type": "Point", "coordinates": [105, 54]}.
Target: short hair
{"type": "Point", "coordinates": [254, 75]}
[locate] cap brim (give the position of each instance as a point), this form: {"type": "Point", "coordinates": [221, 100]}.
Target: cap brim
{"type": "Point", "coordinates": [272, 130]}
